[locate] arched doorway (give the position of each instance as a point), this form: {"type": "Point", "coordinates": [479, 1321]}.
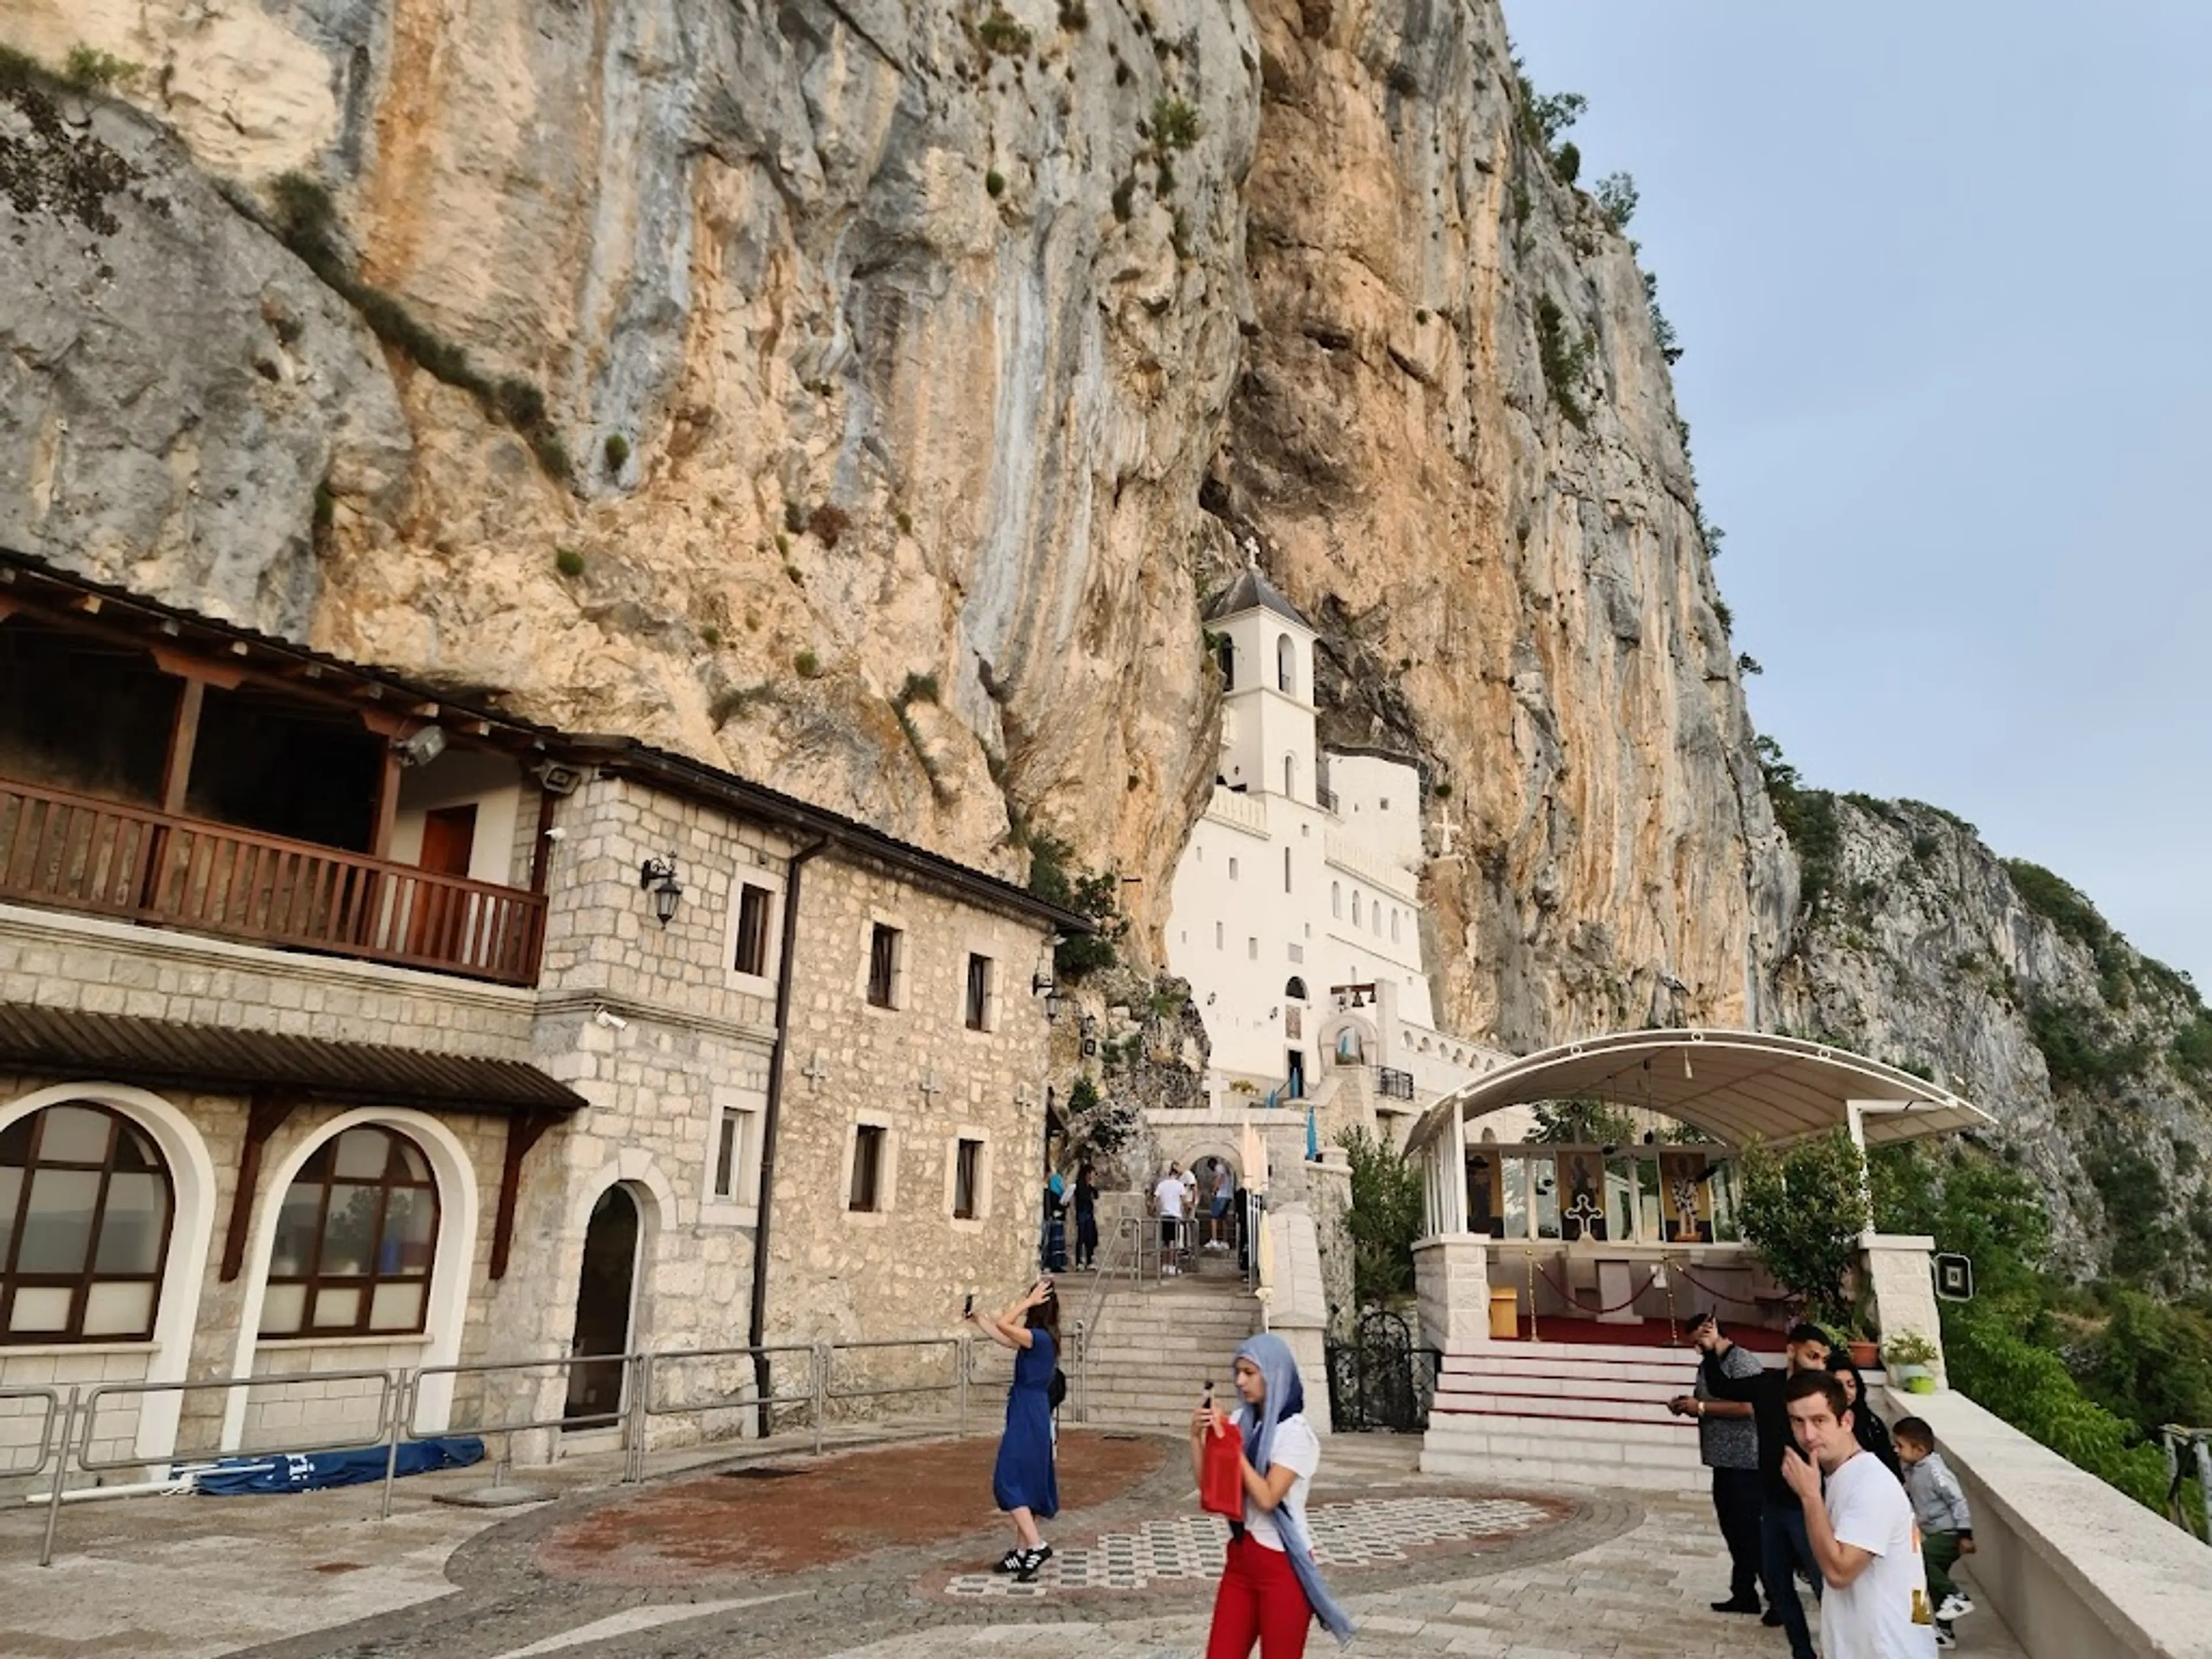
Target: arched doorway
{"type": "Point", "coordinates": [606, 1299]}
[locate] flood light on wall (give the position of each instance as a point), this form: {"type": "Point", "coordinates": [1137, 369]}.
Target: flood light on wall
{"type": "Point", "coordinates": [422, 747]}
{"type": "Point", "coordinates": [658, 877]}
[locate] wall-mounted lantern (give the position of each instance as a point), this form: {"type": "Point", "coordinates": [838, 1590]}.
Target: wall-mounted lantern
{"type": "Point", "coordinates": [658, 877]}
{"type": "Point", "coordinates": [1042, 985]}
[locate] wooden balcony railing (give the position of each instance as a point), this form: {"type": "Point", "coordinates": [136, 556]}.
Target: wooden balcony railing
{"type": "Point", "coordinates": [107, 859]}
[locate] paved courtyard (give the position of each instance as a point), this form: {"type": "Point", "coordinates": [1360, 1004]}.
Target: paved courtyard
{"type": "Point", "coordinates": [872, 1553]}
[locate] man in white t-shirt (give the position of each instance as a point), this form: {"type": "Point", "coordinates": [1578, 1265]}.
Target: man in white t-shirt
{"type": "Point", "coordinates": [1863, 1535]}
{"type": "Point", "coordinates": [1170, 1195]}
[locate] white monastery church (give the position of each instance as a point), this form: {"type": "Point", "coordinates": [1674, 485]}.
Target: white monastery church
{"type": "Point", "coordinates": [1296, 912]}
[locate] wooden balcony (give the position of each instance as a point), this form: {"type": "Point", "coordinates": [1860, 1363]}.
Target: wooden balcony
{"type": "Point", "coordinates": [102, 858]}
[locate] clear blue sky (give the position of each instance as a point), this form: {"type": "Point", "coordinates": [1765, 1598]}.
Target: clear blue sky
{"type": "Point", "coordinates": [1942, 276]}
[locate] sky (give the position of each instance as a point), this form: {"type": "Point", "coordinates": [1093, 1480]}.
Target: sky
{"type": "Point", "coordinates": [1943, 278]}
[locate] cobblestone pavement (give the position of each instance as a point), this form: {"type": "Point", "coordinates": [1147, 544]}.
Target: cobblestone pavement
{"type": "Point", "coordinates": [1428, 1567]}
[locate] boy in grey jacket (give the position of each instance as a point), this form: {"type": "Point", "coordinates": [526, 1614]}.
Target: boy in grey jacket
{"type": "Point", "coordinates": [1946, 1525]}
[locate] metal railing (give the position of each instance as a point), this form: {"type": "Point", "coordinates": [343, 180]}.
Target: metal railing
{"type": "Point", "coordinates": [70, 1428]}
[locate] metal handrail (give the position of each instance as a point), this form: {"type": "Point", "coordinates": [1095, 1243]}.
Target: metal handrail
{"type": "Point", "coordinates": [398, 1400]}
{"type": "Point", "coordinates": [389, 1383]}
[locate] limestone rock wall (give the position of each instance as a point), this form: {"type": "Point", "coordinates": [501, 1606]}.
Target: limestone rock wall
{"type": "Point", "coordinates": [1919, 946]}
{"type": "Point", "coordinates": [890, 343]}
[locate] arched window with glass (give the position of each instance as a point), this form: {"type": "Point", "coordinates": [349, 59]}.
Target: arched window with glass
{"type": "Point", "coordinates": [85, 1207]}
{"type": "Point", "coordinates": [355, 1238]}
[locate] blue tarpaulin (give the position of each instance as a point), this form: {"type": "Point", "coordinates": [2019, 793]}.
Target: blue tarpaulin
{"type": "Point", "coordinates": [310, 1471]}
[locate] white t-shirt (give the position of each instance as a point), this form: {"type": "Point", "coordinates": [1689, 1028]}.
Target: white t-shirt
{"type": "Point", "coordinates": [1170, 1193]}
{"type": "Point", "coordinates": [1296, 1447]}
{"type": "Point", "coordinates": [1883, 1613]}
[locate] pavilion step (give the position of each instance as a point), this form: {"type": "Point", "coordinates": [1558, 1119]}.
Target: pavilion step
{"type": "Point", "coordinates": [1541, 1449]}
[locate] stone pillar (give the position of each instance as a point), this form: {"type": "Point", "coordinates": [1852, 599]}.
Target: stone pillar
{"type": "Point", "coordinates": [1901, 1286]}
{"type": "Point", "coordinates": [1451, 1276]}
{"type": "Point", "coordinates": [1298, 1304]}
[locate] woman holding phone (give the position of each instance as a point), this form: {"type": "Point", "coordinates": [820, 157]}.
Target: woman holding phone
{"type": "Point", "coordinates": [1022, 1482]}
{"type": "Point", "coordinates": [1270, 1590]}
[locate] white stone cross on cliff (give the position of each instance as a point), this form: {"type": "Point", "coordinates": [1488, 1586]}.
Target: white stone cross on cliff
{"type": "Point", "coordinates": [814, 1072]}
{"type": "Point", "coordinates": [1443, 826]}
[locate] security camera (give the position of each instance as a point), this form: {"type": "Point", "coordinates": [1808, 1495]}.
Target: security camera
{"type": "Point", "coordinates": [608, 1018]}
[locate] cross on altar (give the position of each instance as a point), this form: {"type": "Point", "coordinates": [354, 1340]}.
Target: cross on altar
{"type": "Point", "coordinates": [814, 1072]}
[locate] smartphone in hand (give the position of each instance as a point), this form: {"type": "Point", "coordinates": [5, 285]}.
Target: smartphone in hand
{"type": "Point", "coordinates": [1206, 1403]}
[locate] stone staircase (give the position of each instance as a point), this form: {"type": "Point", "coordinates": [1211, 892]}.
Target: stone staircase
{"type": "Point", "coordinates": [1152, 1349]}
{"type": "Point", "coordinates": [1582, 1414]}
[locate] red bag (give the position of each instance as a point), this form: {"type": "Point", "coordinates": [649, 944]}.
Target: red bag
{"type": "Point", "coordinates": [1221, 1474]}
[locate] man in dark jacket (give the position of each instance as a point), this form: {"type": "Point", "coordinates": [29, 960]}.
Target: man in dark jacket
{"type": "Point", "coordinates": [1784, 1546]}
{"type": "Point", "coordinates": [1727, 1444]}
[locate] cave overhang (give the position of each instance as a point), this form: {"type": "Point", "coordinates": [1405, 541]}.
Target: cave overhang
{"type": "Point", "coordinates": [1737, 1086]}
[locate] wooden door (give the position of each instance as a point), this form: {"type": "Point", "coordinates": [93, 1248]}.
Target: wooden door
{"type": "Point", "coordinates": [437, 919]}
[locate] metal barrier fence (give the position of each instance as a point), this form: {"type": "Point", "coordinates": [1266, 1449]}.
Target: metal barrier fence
{"type": "Point", "coordinates": [68, 1429]}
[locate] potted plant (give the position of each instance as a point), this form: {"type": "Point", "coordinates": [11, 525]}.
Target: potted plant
{"type": "Point", "coordinates": [1865, 1352]}
{"type": "Point", "coordinates": [1908, 1355]}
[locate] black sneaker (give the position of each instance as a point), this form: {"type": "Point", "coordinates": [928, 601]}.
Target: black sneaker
{"type": "Point", "coordinates": [1009, 1562]}
{"type": "Point", "coordinates": [1733, 1605]}
{"type": "Point", "coordinates": [1032, 1562]}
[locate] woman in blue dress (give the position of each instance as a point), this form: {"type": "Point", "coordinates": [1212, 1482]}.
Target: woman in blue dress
{"type": "Point", "coordinates": [1023, 1484]}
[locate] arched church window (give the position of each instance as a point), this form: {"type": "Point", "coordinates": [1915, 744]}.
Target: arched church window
{"type": "Point", "coordinates": [1394, 927]}
{"type": "Point", "coordinates": [1286, 663]}
{"type": "Point", "coordinates": [1290, 774]}
{"type": "Point", "coordinates": [355, 1238]}
{"type": "Point", "coordinates": [85, 1206]}
{"type": "Point", "coordinates": [1336, 899]}
{"type": "Point", "coordinates": [1355, 907]}
{"type": "Point", "coordinates": [1296, 989]}
{"type": "Point", "coordinates": [1227, 653]}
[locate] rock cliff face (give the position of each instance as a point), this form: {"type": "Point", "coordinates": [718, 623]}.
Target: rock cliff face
{"type": "Point", "coordinates": [723, 372]}
{"type": "Point", "coordinates": [1919, 946]}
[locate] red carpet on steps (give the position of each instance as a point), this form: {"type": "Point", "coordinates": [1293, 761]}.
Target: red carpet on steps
{"type": "Point", "coordinates": [1647, 1334]}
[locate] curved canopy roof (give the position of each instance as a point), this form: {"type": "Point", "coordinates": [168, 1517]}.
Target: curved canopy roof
{"type": "Point", "coordinates": [1734, 1084]}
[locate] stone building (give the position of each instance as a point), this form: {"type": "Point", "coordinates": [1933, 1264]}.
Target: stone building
{"type": "Point", "coordinates": [343, 1027]}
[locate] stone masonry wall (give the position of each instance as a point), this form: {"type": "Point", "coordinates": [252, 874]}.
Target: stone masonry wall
{"type": "Point", "coordinates": [903, 1269]}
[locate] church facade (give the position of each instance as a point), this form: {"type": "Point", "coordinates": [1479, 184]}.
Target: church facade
{"type": "Point", "coordinates": [1295, 911]}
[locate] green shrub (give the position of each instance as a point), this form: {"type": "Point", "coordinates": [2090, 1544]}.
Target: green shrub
{"type": "Point", "coordinates": [1748, 665]}
{"type": "Point", "coordinates": [795, 517]}
{"type": "Point", "coordinates": [1562, 356]}
{"type": "Point", "coordinates": [1568, 163]}
{"type": "Point", "coordinates": [617, 449]}
{"type": "Point", "coordinates": [568, 562]}
{"type": "Point", "coordinates": [995, 184]}
{"type": "Point", "coordinates": [1056, 879]}
{"type": "Point", "coordinates": [2079, 1048]}
{"type": "Point", "coordinates": [1175, 124]}
{"type": "Point", "coordinates": [1802, 1212]}
{"type": "Point", "coordinates": [1001, 35]}
{"type": "Point", "coordinates": [1387, 1215]}
{"type": "Point", "coordinates": [1074, 16]}
{"type": "Point", "coordinates": [918, 688]}
{"type": "Point", "coordinates": [905, 522]}
{"type": "Point", "coordinates": [729, 704]}
{"type": "Point", "coordinates": [710, 636]}
{"type": "Point", "coordinates": [97, 71]}
{"type": "Point", "coordinates": [808, 664]}
{"type": "Point", "coordinates": [1125, 196]}
{"type": "Point", "coordinates": [1616, 198]}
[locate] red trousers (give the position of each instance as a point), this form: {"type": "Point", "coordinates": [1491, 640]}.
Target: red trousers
{"type": "Point", "coordinates": [1260, 1600]}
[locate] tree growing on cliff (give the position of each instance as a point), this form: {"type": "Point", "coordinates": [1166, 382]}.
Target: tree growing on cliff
{"type": "Point", "coordinates": [1616, 198]}
{"type": "Point", "coordinates": [1056, 879]}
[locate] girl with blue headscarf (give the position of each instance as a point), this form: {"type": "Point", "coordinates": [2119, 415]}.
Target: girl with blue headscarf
{"type": "Point", "coordinates": [1270, 1588]}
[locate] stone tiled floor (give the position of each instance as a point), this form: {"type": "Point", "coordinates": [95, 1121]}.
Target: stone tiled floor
{"type": "Point", "coordinates": [1617, 1578]}
{"type": "Point", "coordinates": [1189, 1547]}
